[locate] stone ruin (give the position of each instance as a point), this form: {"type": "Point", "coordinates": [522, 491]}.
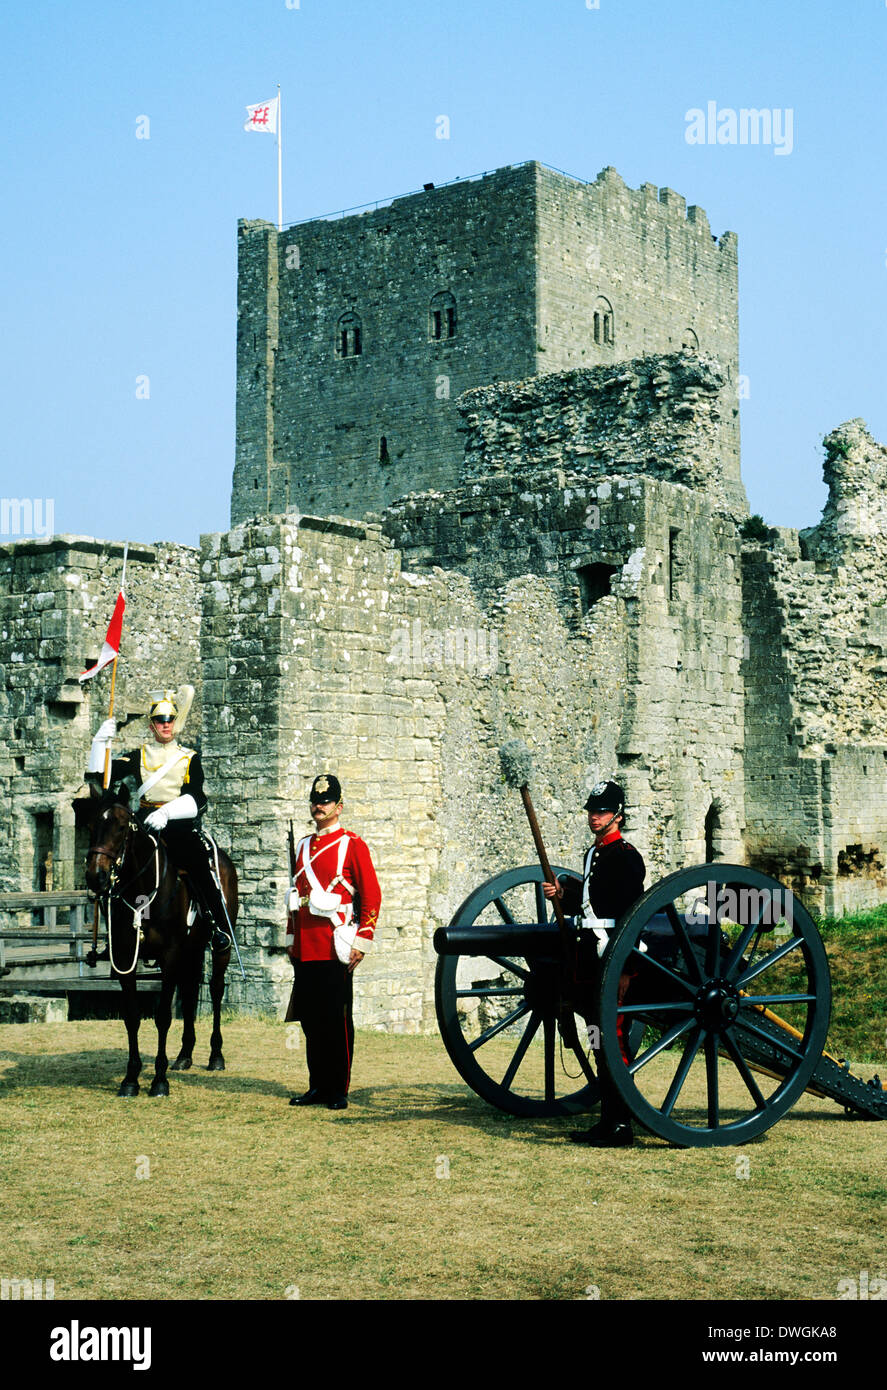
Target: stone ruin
{"type": "Point", "coordinates": [590, 583]}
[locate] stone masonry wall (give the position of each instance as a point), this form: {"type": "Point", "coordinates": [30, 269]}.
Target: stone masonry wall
{"type": "Point", "coordinates": [655, 416]}
{"type": "Point", "coordinates": [654, 262]}
{"type": "Point", "coordinates": [322, 653]}
{"type": "Point", "coordinates": [319, 417]}
{"type": "Point", "coordinates": [56, 600]}
{"type": "Point", "coordinates": [644, 580]}
{"type": "Point", "coordinates": [296, 641]}
{"type": "Point", "coordinates": [816, 619]}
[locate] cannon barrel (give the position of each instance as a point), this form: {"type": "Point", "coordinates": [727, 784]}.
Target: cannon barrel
{"type": "Point", "coordinates": [531, 940]}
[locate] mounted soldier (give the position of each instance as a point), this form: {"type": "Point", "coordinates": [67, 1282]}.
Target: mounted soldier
{"type": "Point", "coordinates": [165, 781]}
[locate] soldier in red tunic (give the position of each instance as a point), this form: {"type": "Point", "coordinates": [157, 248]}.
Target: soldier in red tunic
{"type": "Point", "coordinates": [333, 909]}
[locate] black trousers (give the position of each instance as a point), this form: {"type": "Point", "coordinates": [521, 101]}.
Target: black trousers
{"type": "Point", "coordinates": [188, 851]}
{"type": "Point", "coordinates": [614, 1111]}
{"type": "Point", "coordinates": [322, 1002]}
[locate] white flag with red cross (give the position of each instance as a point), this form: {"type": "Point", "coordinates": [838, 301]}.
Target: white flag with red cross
{"type": "Point", "coordinates": [263, 118]}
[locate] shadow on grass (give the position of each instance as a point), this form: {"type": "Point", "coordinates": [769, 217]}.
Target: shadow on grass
{"type": "Point", "coordinates": [103, 1069]}
{"type": "Point", "coordinates": [451, 1105]}
{"type": "Point", "coordinates": [441, 1103]}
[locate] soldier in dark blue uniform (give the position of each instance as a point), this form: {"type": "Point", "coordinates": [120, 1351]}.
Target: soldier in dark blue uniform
{"type": "Point", "coordinates": [612, 880]}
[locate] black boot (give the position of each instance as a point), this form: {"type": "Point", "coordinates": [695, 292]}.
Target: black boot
{"type": "Point", "coordinates": [605, 1136]}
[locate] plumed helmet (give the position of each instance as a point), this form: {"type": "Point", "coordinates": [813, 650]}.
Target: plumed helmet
{"type": "Point", "coordinates": [176, 703]}
{"type": "Point", "coordinates": [606, 796]}
{"type": "Point", "coordinates": [163, 703]}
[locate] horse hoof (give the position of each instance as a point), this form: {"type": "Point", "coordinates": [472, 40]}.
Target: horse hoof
{"type": "Point", "coordinates": [216, 1063]}
{"type": "Point", "coordinates": [182, 1063]}
{"type": "Point", "coordinates": [159, 1088]}
{"type": "Point", "coordinates": [128, 1088]}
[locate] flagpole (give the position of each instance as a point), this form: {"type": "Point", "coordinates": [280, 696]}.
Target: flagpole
{"type": "Point", "coordinates": [106, 776]}
{"type": "Point", "coordinates": [92, 956]}
{"type": "Point", "coordinates": [279, 162]}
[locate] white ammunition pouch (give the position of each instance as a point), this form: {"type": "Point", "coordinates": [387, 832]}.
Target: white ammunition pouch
{"type": "Point", "coordinates": [323, 902]}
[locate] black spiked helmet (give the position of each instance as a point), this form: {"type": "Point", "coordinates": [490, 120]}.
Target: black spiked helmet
{"type": "Point", "coordinates": [606, 796]}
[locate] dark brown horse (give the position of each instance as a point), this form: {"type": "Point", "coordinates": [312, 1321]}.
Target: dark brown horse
{"type": "Point", "coordinates": [149, 911]}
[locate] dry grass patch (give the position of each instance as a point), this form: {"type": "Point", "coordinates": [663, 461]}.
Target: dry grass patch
{"type": "Point", "coordinates": [419, 1190]}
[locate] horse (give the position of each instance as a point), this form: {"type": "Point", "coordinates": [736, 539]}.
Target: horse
{"type": "Point", "coordinates": [150, 912]}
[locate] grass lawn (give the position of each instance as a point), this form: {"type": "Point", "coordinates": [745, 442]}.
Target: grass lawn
{"type": "Point", "coordinates": [418, 1191]}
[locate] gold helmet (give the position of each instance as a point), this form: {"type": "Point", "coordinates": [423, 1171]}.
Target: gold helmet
{"type": "Point", "coordinates": [171, 704]}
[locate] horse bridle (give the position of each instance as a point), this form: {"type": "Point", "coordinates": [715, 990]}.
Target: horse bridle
{"type": "Point", "coordinates": [114, 890]}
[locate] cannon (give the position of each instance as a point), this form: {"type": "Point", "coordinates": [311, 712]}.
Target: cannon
{"type": "Point", "coordinates": [714, 1003]}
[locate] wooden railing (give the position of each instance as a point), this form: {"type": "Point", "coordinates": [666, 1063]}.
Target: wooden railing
{"type": "Point", "coordinates": [50, 942]}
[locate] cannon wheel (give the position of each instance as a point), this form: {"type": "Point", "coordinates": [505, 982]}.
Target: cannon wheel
{"type": "Point", "coordinates": [512, 897]}
{"type": "Point", "coordinates": [735, 1024]}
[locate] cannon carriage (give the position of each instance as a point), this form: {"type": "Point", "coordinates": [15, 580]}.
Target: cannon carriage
{"type": "Point", "coordinates": [713, 1003]}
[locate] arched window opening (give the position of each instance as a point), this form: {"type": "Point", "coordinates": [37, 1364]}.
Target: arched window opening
{"type": "Point", "coordinates": [348, 336]}
{"type": "Point", "coordinates": [442, 317]}
{"type": "Point", "coordinates": [604, 322]}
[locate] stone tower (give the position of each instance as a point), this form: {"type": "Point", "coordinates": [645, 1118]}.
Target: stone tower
{"type": "Point", "coordinates": [357, 335]}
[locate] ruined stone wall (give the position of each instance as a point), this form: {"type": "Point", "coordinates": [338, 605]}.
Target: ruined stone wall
{"type": "Point", "coordinates": [654, 416]}
{"type": "Point", "coordinates": [598, 620]}
{"type": "Point", "coordinates": [816, 721]}
{"type": "Point", "coordinates": [56, 600]}
{"type": "Point", "coordinates": [638, 655]}
{"type": "Point", "coordinates": [297, 635]}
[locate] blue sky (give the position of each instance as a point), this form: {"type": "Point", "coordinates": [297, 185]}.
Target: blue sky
{"type": "Point", "coordinates": [119, 253]}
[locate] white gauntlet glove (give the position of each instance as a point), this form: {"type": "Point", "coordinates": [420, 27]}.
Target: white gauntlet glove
{"type": "Point", "coordinates": [183, 808]}
{"type": "Point", "coordinates": [100, 745]}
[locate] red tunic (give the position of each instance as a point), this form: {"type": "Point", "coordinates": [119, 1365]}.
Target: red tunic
{"type": "Point", "coordinates": [312, 935]}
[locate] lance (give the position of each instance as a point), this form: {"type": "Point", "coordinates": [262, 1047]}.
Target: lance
{"type": "Point", "coordinates": [91, 956]}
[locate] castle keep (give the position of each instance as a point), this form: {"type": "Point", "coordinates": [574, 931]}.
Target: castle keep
{"type": "Point", "coordinates": [556, 550]}
{"type": "Point", "coordinates": [356, 336]}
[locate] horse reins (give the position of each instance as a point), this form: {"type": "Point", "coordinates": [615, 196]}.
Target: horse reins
{"type": "Point", "coordinates": [115, 891]}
